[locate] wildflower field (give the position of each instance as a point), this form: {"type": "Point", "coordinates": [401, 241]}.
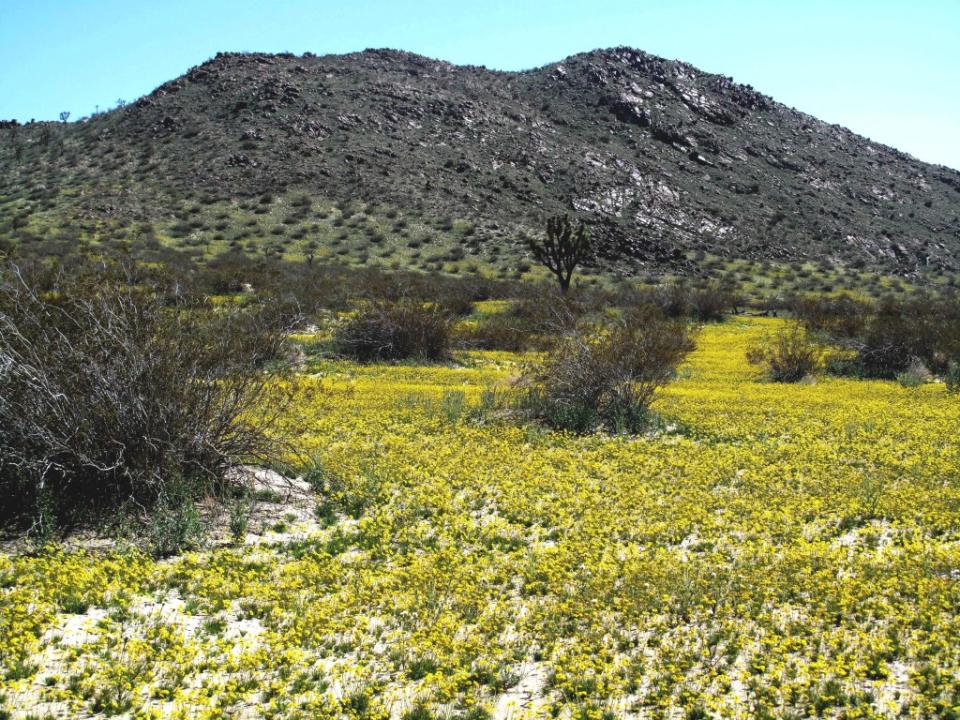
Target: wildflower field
{"type": "Point", "coordinates": [769, 551]}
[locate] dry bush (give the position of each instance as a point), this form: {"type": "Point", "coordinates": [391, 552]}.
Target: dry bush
{"type": "Point", "coordinates": [510, 332]}
{"type": "Point", "coordinates": [607, 375]}
{"type": "Point", "coordinates": [901, 334]}
{"type": "Point", "coordinates": [888, 338]}
{"type": "Point", "coordinates": [533, 321]}
{"type": "Point", "coordinates": [502, 331]}
{"type": "Point", "coordinates": [110, 397]}
{"type": "Point", "coordinates": [332, 286]}
{"type": "Point", "coordinates": [673, 299]}
{"type": "Point", "coordinates": [710, 303]}
{"type": "Point", "coordinates": [230, 273]}
{"type": "Point", "coordinates": [394, 331]}
{"type": "Point", "coordinates": [457, 298]}
{"type": "Point", "coordinates": [838, 316]}
{"type": "Point", "coordinates": [788, 356]}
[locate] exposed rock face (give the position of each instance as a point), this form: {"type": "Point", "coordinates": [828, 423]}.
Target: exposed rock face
{"type": "Point", "coordinates": [659, 156]}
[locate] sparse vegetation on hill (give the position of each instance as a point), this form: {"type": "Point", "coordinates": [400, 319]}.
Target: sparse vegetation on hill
{"type": "Point", "coordinates": [384, 157]}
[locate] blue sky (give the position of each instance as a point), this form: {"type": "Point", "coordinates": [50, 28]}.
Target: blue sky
{"type": "Point", "coordinates": [887, 69]}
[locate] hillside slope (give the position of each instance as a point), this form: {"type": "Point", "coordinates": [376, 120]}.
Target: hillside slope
{"type": "Point", "coordinates": [666, 162]}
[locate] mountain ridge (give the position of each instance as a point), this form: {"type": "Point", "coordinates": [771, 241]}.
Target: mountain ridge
{"type": "Point", "coordinates": [664, 161]}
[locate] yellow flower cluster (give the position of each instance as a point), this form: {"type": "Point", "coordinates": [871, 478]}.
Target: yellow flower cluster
{"type": "Point", "coordinates": [770, 551]}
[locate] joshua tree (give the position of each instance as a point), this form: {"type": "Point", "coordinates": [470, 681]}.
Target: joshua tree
{"type": "Point", "coordinates": [64, 116]}
{"type": "Point", "coordinates": [562, 249]}
{"type": "Point", "coordinates": [310, 251]}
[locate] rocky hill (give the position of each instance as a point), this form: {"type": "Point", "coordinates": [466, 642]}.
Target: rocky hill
{"type": "Point", "coordinates": [666, 162]}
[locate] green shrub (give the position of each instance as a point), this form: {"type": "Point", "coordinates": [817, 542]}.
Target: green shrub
{"type": "Point", "coordinates": [239, 518]}
{"type": "Point", "coordinates": [788, 356]}
{"type": "Point", "coordinates": [394, 331]}
{"type": "Point", "coordinates": [418, 712]}
{"type": "Point", "coordinates": [952, 377]}
{"type": "Point", "coordinates": [606, 376]}
{"type": "Point", "coordinates": [175, 523]}
{"type": "Point", "coordinates": [910, 379]}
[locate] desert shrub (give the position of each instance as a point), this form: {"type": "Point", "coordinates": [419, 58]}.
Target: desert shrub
{"type": "Point", "coordinates": [839, 316]}
{"type": "Point", "coordinates": [457, 299]}
{"type": "Point", "coordinates": [888, 338]}
{"type": "Point", "coordinates": [712, 302]}
{"type": "Point", "coordinates": [673, 299]}
{"type": "Point", "coordinates": [394, 331]}
{"type": "Point", "coordinates": [898, 335]}
{"type": "Point", "coordinates": [606, 375]}
{"type": "Point", "coordinates": [110, 397]}
{"type": "Point", "coordinates": [551, 315]}
{"type": "Point", "coordinates": [333, 286]}
{"type": "Point", "coordinates": [952, 377]}
{"type": "Point", "coordinates": [788, 356]}
{"type": "Point", "coordinates": [175, 523]}
{"type": "Point", "coordinates": [239, 518]}
{"type": "Point", "coordinates": [231, 272]}
{"type": "Point", "coordinates": [530, 322]}
{"type": "Point", "coordinates": [502, 331]}
{"type": "Point", "coordinates": [915, 375]}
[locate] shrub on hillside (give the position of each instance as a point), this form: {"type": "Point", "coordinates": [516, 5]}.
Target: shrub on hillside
{"type": "Point", "coordinates": [111, 397]}
{"type": "Point", "coordinates": [607, 375]}
{"type": "Point", "coordinates": [394, 331]}
{"type": "Point", "coordinates": [788, 356]}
